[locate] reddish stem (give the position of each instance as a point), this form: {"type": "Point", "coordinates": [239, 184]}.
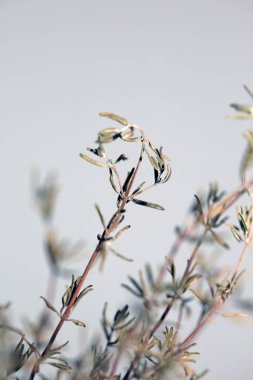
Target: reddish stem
{"type": "Point", "coordinates": [91, 262]}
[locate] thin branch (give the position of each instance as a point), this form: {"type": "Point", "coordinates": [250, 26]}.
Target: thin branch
{"type": "Point", "coordinates": [90, 264]}
{"type": "Point", "coordinates": [219, 304]}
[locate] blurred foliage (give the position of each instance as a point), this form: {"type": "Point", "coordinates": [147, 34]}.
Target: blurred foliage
{"type": "Point", "coordinates": [138, 341]}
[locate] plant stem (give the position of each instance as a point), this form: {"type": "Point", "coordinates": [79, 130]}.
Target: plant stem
{"type": "Point", "coordinates": [168, 307]}
{"type": "Point", "coordinates": [202, 324]}
{"type": "Point", "coordinates": [193, 255]}
{"type": "Point", "coordinates": [67, 311]}
{"type": "Point", "coordinates": [187, 230]}
{"type": "Point", "coordinates": [90, 264]}
{"type": "Point", "coordinates": [45, 315]}
{"type": "Point", "coordinates": [221, 301]}
{"type": "Point", "coordinates": [180, 317]}
{"type": "Point", "coordinates": [161, 319]}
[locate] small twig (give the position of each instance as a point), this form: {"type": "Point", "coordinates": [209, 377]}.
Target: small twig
{"type": "Point", "coordinates": [187, 230]}
{"type": "Point", "coordinates": [161, 319]}
{"type": "Point", "coordinates": [219, 304]}
{"type": "Point", "coordinates": [180, 316]}
{"type": "Point", "coordinates": [193, 255]}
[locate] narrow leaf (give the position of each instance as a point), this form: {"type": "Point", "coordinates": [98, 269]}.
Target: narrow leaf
{"type": "Point", "coordinates": [200, 376]}
{"type": "Point", "coordinates": [168, 174]}
{"type": "Point", "coordinates": [77, 322]}
{"type": "Point", "coordinates": [248, 91]}
{"type": "Point", "coordinates": [234, 315]}
{"type": "Point", "coordinates": [134, 292]}
{"type": "Point", "coordinates": [92, 161]}
{"type": "Point", "coordinates": [101, 217]}
{"type": "Point", "coordinates": [242, 222]}
{"type": "Point", "coordinates": [109, 131]}
{"type": "Point", "coordinates": [128, 178]}
{"type": "Point", "coordinates": [122, 231]}
{"type": "Point", "coordinates": [138, 188]}
{"type": "Point", "coordinates": [147, 204]}
{"type": "Point", "coordinates": [49, 305]}
{"type": "Point", "coordinates": [191, 280]}
{"type": "Point", "coordinates": [131, 139]}
{"type": "Point", "coordinates": [112, 181]}
{"type": "Point", "coordinates": [219, 239]}
{"type": "Point", "coordinates": [199, 206]}
{"type": "Point", "coordinates": [154, 162]}
{"type": "Point", "coordinates": [120, 255]}
{"type": "Point", "coordinates": [153, 147]}
{"type": "Point", "coordinates": [245, 108]}
{"type": "Point", "coordinates": [57, 349]}
{"type": "Point", "coordinates": [114, 117]}
{"type": "Point", "coordinates": [236, 232]}
{"type": "Point", "coordinates": [81, 295]}
{"type": "Point", "coordinates": [62, 367]}
{"type": "Point", "coordinates": [122, 157]}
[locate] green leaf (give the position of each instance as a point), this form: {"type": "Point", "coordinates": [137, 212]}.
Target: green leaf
{"type": "Point", "coordinates": [49, 305]}
{"type": "Point", "coordinates": [122, 231]}
{"type": "Point", "coordinates": [112, 181]}
{"type": "Point", "coordinates": [173, 272]}
{"type": "Point", "coordinates": [92, 161]}
{"type": "Point", "coordinates": [219, 240]}
{"type": "Point", "coordinates": [199, 206]}
{"type": "Point", "coordinates": [101, 217]}
{"type": "Point", "coordinates": [136, 293]}
{"type": "Point", "coordinates": [113, 218]}
{"type": "Point", "coordinates": [154, 162]}
{"type": "Point", "coordinates": [122, 157]}
{"type": "Point", "coordinates": [120, 255]}
{"type": "Point", "coordinates": [77, 322]}
{"type": "Point", "coordinates": [202, 374]}
{"type": "Point", "coordinates": [245, 108]}
{"type": "Point", "coordinates": [235, 315]}
{"type": "Point", "coordinates": [128, 178]}
{"type": "Point", "coordinates": [190, 281]}
{"type": "Point", "coordinates": [121, 315]}
{"type": "Point", "coordinates": [82, 294]}
{"type": "Point", "coordinates": [236, 232]}
{"type": "Point", "coordinates": [115, 117]}
{"type": "Point", "coordinates": [107, 138]}
{"type": "Point", "coordinates": [250, 93]}
{"type": "Point", "coordinates": [100, 152]}
{"type": "Point", "coordinates": [242, 222]}
{"type": "Point", "coordinates": [138, 188]}
{"type": "Point", "coordinates": [247, 159]}
{"type": "Point", "coordinates": [152, 146]}
{"type": "Point", "coordinates": [130, 139]}
{"type": "Point", "coordinates": [147, 204]}
{"type": "Point", "coordinates": [53, 351]}
{"type": "Point", "coordinates": [168, 174]}
{"type": "Point", "coordinates": [62, 367]}
{"type": "Point", "coordinates": [109, 131]}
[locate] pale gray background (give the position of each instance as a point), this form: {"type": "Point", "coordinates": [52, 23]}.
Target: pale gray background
{"type": "Point", "coordinates": [173, 67]}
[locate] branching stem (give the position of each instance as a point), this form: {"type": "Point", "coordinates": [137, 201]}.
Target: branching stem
{"type": "Point", "coordinates": [105, 235]}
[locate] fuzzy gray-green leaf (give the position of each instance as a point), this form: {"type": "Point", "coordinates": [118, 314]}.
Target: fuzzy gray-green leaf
{"type": "Point", "coordinates": [49, 305]}
{"type": "Point", "coordinates": [112, 181]}
{"type": "Point", "coordinates": [101, 217]}
{"type": "Point", "coordinates": [77, 322]}
{"type": "Point", "coordinates": [115, 117]}
{"type": "Point", "coordinates": [122, 231]}
{"type": "Point", "coordinates": [148, 204]}
{"type": "Point", "coordinates": [236, 232]}
{"type": "Point", "coordinates": [92, 161]}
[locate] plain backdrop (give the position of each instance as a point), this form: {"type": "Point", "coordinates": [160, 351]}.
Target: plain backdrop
{"type": "Point", "coordinates": [171, 66]}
